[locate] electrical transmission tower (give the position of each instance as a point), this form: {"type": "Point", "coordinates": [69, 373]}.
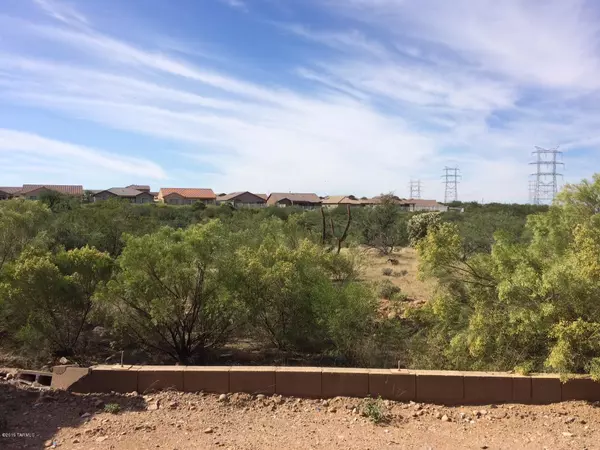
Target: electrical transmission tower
{"type": "Point", "coordinates": [545, 184]}
{"type": "Point", "coordinates": [451, 177]}
{"type": "Point", "coordinates": [415, 188]}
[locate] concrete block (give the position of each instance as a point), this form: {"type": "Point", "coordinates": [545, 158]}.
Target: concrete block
{"type": "Point", "coordinates": [120, 379]}
{"type": "Point", "coordinates": [521, 389]}
{"type": "Point", "coordinates": [481, 388]}
{"type": "Point", "coordinates": [156, 378]}
{"type": "Point", "coordinates": [63, 377]}
{"type": "Point", "coordinates": [445, 387]}
{"type": "Point", "coordinates": [206, 378]}
{"type": "Point", "coordinates": [253, 380]}
{"type": "Point", "coordinates": [580, 388]}
{"type": "Point", "coordinates": [545, 389]}
{"type": "Point", "coordinates": [344, 382]}
{"type": "Point", "coordinates": [392, 384]}
{"type": "Point", "coordinates": [298, 381]}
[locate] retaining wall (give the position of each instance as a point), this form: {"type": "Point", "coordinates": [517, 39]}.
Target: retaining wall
{"type": "Point", "coordinates": [444, 387]}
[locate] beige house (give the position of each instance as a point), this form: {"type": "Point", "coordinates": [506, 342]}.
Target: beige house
{"type": "Point", "coordinates": [334, 201]}
{"type": "Point", "coordinates": [243, 200]}
{"type": "Point", "coordinates": [186, 196]}
{"type": "Point", "coordinates": [127, 193]}
{"type": "Point", "coordinates": [34, 191]}
{"type": "Point", "coordinates": [307, 201]}
{"type": "Point", "coordinates": [7, 193]}
{"type": "Point", "coordinates": [417, 204]}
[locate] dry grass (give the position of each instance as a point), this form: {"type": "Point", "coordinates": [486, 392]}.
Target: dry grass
{"type": "Point", "coordinates": [417, 290]}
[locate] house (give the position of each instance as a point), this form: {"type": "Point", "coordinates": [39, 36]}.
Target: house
{"type": "Point", "coordinates": [243, 200]}
{"type": "Point", "coordinates": [307, 201]}
{"type": "Point", "coordinates": [333, 201]}
{"type": "Point", "coordinates": [139, 187]}
{"type": "Point", "coordinates": [34, 191]}
{"type": "Point", "coordinates": [127, 193]}
{"type": "Point", "coordinates": [417, 204]}
{"type": "Point", "coordinates": [9, 192]}
{"type": "Point", "coordinates": [186, 196]}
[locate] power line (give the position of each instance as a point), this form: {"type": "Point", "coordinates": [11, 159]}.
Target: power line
{"type": "Point", "coordinates": [451, 177]}
{"type": "Point", "coordinates": [545, 179]}
{"type": "Point", "coordinates": [415, 188]}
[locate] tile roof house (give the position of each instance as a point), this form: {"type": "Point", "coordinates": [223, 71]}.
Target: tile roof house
{"type": "Point", "coordinates": [126, 193]}
{"type": "Point", "coordinates": [307, 201]}
{"type": "Point", "coordinates": [140, 187]}
{"type": "Point", "coordinates": [33, 191]}
{"type": "Point", "coordinates": [9, 192]}
{"type": "Point", "coordinates": [417, 204]}
{"type": "Point", "coordinates": [242, 200]}
{"type": "Point", "coordinates": [186, 196]}
{"type": "Point", "coordinates": [333, 201]}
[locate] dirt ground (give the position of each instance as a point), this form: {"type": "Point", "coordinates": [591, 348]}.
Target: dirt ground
{"type": "Point", "coordinates": [404, 274]}
{"type": "Point", "coordinates": [32, 419]}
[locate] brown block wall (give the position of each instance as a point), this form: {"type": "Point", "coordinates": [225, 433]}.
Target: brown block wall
{"type": "Point", "coordinates": [208, 379]}
{"type": "Point", "coordinates": [253, 380]}
{"type": "Point", "coordinates": [344, 382]}
{"type": "Point", "coordinates": [392, 384]}
{"type": "Point", "coordinates": [313, 382]}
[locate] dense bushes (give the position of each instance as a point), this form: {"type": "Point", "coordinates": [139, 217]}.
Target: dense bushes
{"type": "Point", "coordinates": [529, 305]}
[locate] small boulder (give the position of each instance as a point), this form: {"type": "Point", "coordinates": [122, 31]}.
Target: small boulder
{"type": "Point", "coordinates": [445, 418]}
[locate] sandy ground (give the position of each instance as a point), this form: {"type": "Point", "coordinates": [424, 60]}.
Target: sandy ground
{"type": "Point", "coordinates": [31, 418]}
{"type": "Point", "coordinates": [404, 273]}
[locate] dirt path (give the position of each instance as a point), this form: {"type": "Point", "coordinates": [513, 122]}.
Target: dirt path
{"type": "Point", "coordinates": [172, 420]}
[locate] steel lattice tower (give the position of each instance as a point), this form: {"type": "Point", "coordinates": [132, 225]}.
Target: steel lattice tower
{"type": "Point", "coordinates": [544, 185]}
{"type": "Point", "coordinates": [451, 177]}
{"type": "Point", "coordinates": [415, 188]}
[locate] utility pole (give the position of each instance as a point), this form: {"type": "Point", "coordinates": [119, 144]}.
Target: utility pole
{"type": "Point", "coordinates": [545, 179]}
{"type": "Point", "coordinates": [415, 188]}
{"type": "Point", "coordinates": [451, 177]}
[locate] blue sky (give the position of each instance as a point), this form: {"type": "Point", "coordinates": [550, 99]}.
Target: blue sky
{"type": "Point", "coordinates": [326, 96]}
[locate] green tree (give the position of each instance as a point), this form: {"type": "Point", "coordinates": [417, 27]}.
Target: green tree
{"type": "Point", "coordinates": [49, 297]}
{"type": "Point", "coordinates": [21, 224]}
{"type": "Point", "coordinates": [384, 228]}
{"type": "Point", "coordinates": [171, 294]}
{"type": "Point", "coordinates": [420, 224]}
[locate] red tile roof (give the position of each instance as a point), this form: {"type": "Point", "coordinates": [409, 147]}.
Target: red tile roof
{"type": "Point", "coordinates": [206, 194]}
{"type": "Point", "coordinates": [60, 188]}
{"type": "Point", "coordinates": [234, 195]}
{"type": "Point", "coordinates": [293, 197]}
{"type": "Point", "coordinates": [11, 190]}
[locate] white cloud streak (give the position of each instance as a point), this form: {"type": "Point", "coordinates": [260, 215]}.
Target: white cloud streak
{"type": "Point", "coordinates": [381, 108]}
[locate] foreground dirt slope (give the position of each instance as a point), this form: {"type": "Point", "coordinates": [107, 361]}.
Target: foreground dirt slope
{"type": "Point", "coordinates": [173, 420]}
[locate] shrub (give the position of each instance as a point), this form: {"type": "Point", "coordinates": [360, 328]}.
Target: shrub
{"type": "Point", "coordinates": [373, 409]}
{"type": "Point", "coordinates": [388, 290]}
{"type": "Point", "coordinates": [387, 271]}
{"type": "Point", "coordinates": [112, 408]}
{"type": "Point", "coordinates": [401, 273]}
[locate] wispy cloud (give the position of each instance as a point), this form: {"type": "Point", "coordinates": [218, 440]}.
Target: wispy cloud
{"type": "Point", "coordinates": [375, 105]}
{"type": "Point", "coordinates": [62, 12]}
{"type": "Point", "coordinates": [237, 4]}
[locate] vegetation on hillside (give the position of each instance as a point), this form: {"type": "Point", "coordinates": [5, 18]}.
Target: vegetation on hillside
{"type": "Point", "coordinates": [516, 285]}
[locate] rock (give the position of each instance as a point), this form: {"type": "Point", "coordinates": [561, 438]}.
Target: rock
{"type": "Point", "coordinates": [438, 415]}
{"type": "Point", "coordinates": [325, 403]}
{"type": "Point", "coordinates": [462, 415]}
{"type": "Point", "coordinates": [84, 415]}
{"type": "Point", "coordinates": [445, 418]}
{"type": "Point", "coordinates": [222, 397]}
{"type": "Point", "coordinates": [208, 430]}
{"type": "Point", "coordinates": [570, 420]}
{"type": "Point", "coordinates": [98, 403]}
{"type": "Point", "coordinates": [260, 397]}
{"type": "Point", "coordinates": [484, 446]}
{"type": "Point", "coordinates": [49, 443]}
{"type": "Point", "coordinates": [63, 361]}
{"type": "Point", "coordinates": [567, 434]}
{"type": "Point", "coordinates": [10, 376]}
{"type": "Point", "coordinates": [278, 400]}
{"type": "Point", "coordinates": [332, 410]}
{"type": "Point", "coordinates": [582, 422]}
{"type": "Point", "coordinates": [101, 438]}
{"type": "Point", "coordinates": [483, 412]}
{"type": "Point", "coordinates": [75, 441]}
{"type": "Point", "coordinates": [153, 406]}
{"type": "Point", "coordinates": [354, 411]}
{"type": "Point", "coordinates": [173, 405]}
